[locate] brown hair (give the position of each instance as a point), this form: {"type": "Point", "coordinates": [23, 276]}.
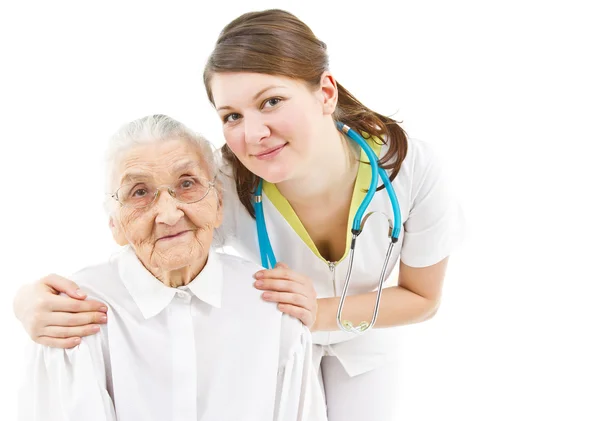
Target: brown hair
{"type": "Point", "coordinates": [275, 42]}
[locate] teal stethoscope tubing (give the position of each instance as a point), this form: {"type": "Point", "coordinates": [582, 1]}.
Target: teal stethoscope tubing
{"type": "Point", "coordinates": [268, 256]}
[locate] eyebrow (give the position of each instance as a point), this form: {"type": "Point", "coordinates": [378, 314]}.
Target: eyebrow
{"type": "Point", "coordinates": [255, 97]}
{"type": "Point", "coordinates": [179, 168]}
{"type": "Point", "coordinates": [186, 165]}
{"type": "Point", "coordinates": [134, 175]}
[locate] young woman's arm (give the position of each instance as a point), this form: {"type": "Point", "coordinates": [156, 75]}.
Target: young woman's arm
{"type": "Point", "coordinates": [415, 299]}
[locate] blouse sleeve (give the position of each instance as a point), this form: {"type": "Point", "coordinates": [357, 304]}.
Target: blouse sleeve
{"type": "Point", "coordinates": [435, 225]}
{"type": "Point", "coordinates": [299, 396]}
{"type": "Point", "coordinates": [67, 385]}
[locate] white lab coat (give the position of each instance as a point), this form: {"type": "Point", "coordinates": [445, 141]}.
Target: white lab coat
{"type": "Point", "coordinates": [433, 226]}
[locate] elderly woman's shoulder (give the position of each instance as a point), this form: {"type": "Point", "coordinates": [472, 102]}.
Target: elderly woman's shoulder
{"type": "Point", "coordinates": [100, 279]}
{"type": "Point", "coordinates": [239, 264]}
{"type": "Point", "coordinates": [238, 282]}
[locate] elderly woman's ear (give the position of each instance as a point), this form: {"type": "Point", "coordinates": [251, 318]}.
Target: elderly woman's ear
{"type": "Point", "coordinates": [117, 233]}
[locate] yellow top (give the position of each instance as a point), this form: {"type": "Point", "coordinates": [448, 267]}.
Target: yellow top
{"type": "Point", "coordinates": [361, 185]}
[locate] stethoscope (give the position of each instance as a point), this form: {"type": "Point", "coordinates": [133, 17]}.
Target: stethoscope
{"type": "Point", "coordinates": [268, 256]}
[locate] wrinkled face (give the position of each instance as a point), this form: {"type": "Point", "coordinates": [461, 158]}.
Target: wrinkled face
{"type": "Point", "coordinates": [272, 124]}
{"type": "Point", "coordinates": [167, 234]}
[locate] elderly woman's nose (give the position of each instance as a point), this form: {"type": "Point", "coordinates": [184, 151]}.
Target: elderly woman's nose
{"type": "Point", "coordinates": [167, 207]}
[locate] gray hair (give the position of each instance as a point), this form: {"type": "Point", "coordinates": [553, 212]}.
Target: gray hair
{"type": "Point", "coordinates": [147, 130]}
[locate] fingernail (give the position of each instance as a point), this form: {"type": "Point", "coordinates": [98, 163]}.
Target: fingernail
{"type": "Point", "coordinates": [80, 293]}
{"type": "Point", "coordinates": [77, 340]}
{"type": "Point", "coordinates": [267, 296]}
{"type": "Point", "coordinates": [103, 309]}
{"type": "Point", "coordinates": [103, 319]}
{"type": "Point", "coordinates": [95, 328]}
{"type": "Point", "coordinates": [258, 275]}
{"type": "Point", "coordinates": [259, 283]}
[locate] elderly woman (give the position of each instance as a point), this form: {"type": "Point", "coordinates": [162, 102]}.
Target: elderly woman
{"type": "Point", "coordinates": [188, 338]}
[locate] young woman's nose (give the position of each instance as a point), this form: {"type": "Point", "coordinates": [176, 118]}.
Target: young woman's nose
{"type": "Point", "coordinates": [256, 129]}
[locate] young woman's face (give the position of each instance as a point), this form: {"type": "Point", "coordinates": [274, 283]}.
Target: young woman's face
{"type": "Point", "coordinates": [272, 124]}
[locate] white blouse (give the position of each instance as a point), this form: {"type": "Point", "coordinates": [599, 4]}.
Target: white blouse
{"type": "Point", "coordinates": [211, 350]}
{"type": "Point", "coordinates": [433, 227]}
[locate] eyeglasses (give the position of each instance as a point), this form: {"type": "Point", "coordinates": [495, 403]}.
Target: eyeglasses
{"type": "Point", "coordinates": [140, 195]}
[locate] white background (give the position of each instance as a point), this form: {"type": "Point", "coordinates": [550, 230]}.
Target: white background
{"type": "Point", "coordinates": [507, 91]}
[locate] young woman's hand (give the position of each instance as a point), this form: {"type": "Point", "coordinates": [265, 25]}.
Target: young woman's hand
{"type": "Point", "coordinates": [56, 320]}
{"type": "Point", "coordinates": [295, 293]}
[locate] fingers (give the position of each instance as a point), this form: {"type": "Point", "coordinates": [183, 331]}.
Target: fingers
{"type": "Point", "coordinates": [279, 285]}
{"type": "Point", "coordinates": [59, 342]}
{"type": "Point", "coordinates": [294, 293]}
{"type": "Point", "coordinates": [63, 285]}
{"type": "Point", "coordinates": [62, 332]}
{"type": "Point", "coordinates": [70, 305]}
{"type": "Point", "coordinates": [281, 272]}
{"type": "Point", "coordinates": [305, 316]}
{"type": "Point", "coordinates": [287, 298]}
{"type": "Point", "coordinates": [47, 309]}
{"type": "Point", "coordinates": [295, 305]}
{"type": "Point", "coordinates": [63, 326]}
{"type": "Point", "coordinates": [75, 319]}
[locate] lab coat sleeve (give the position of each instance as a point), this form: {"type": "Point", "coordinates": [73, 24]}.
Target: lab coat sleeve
{"type": "Point", "coordinates": [299, 396]}
{"type": "Point", "coordinates": [66, 385]}
{"type": "Point", "coordinates": [435, 226]}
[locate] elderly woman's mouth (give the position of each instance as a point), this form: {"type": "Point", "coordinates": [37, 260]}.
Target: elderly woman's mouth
{"type": "Point", "coordinates": [173, 236]}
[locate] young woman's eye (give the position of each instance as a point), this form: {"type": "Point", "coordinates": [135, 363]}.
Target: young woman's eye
{"type": "Point", "coordinates": [271, 102]}
{"type": "Point", "coordinates": [230, 118]}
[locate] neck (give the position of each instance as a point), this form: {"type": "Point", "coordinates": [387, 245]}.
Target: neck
{"type": "Point", "coordinates": [181, 276]}
{"type": "Point", "coordinates": [331, 176]}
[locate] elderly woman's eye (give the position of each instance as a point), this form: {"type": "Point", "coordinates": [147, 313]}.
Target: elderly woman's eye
{"type": "Point", "coordinates": [187, 183]}
{"type": "Point", "coordinates": [140, 193]}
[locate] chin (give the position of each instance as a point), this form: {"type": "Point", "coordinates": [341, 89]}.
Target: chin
{"type": "Point", "coordinates": [176, 257]}
{"type": "Point", "coordinates": [276, 174]}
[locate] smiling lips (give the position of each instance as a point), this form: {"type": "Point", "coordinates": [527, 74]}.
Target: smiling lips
{"type": "Point", "coordinates": [270, 153]}
{"type": "Point", "coordinates": [168, 237]}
